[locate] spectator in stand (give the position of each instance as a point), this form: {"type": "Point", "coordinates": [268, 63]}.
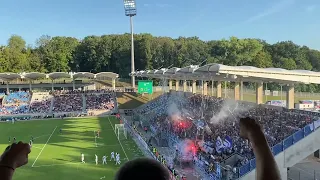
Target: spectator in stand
{"type": "Point", "coordinates": [277, 123]}
{"type": "Point", "coordinates": [99, 101]}
{"type": "Point", "coordinates": [67, 103]}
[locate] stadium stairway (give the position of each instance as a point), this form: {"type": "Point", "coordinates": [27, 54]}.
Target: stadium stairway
{"type": "Point", "coordinates": [293, 154]}
{"type": "Point", "coordinates": [84, 103]}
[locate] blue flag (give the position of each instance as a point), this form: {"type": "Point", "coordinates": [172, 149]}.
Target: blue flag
{"type": "Point", "coordinates": [219, 145]}
{"type": "Point", "coordinates": [227, 142]}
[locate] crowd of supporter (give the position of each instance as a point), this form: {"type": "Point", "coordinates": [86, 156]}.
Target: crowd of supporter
{"type": "Point", "coordinates": [14, 103]}
{"type": "Point", "coordinates": [42, 106]}
{"type": "Point", "coordinates": [67, 103]}
{"type": "Point", "coordinates": [95, 101]}
{"type": "Point", "coordinates": [178, 116]}
{"type": "Point", "coordinates": [64, 101]}
{"type": "Point", "coordinates": [17, 97]}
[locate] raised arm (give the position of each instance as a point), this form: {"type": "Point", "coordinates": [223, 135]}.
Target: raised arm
{"type": "Point", "coordinates": [13, 157]}
{"type": "Point", "coordinates": [266, 165]}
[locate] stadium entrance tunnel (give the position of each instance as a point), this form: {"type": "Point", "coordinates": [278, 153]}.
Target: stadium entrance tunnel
{"type": "Point", "coordinates": [293, 154]}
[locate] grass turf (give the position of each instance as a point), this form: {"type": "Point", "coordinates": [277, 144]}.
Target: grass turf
{"type": "Point", "coordinates": [57, 156]}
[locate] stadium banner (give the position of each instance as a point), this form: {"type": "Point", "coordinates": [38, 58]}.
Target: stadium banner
{"type": "Point", "coordinates": [306, 102]}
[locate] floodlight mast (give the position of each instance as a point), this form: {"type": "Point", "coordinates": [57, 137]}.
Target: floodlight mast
{"type": "Point", "coordinates": [131, 10]}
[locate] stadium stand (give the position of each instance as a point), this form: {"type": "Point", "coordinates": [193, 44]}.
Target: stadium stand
{"type": "Point", "coordinates": [97, 101]}
{"type": "Point", "coordinates": [41, 102]}
{"type": "Point", "coordinates": [15, 103]}
{"type": "Point", "coordinates": [56, 102]}
{"type": "Point", "coordinates": [175, 119]}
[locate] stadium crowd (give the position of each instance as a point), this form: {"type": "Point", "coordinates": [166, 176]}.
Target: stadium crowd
{"type": "Point", "coordinates": [99, 101]}
{"type": "Point", "coordinates": [178, 117]}
{"type": "Point", "coordinates": [63, 101]}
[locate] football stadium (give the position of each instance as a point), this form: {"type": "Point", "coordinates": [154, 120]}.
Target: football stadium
{"type": "Point", "coordinates": [74, 127]}
{"type": "Point", "coordinates": [93, 102]}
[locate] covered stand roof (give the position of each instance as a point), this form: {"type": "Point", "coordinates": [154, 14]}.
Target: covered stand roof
{"type": "Point", "coordinates": [106, 74]}
{"type": "Point", "coordinates": [234, 73]}
{"type": "Point", "coordinates": [9, 76]}
{"type": "Point", "coordinates": [59, 75]}
{"type": "Point", "coordinates": [34, 75]}
{"type": "Point", "coordinates": [84, 75]}
{"type": "Point", "coordinates": [55, 75]}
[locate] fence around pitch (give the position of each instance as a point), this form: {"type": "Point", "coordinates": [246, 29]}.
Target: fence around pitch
{"type": "Point", "coordinates": [286, 143]}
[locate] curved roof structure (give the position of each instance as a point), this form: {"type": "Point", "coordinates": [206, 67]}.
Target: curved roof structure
{"type": "Point", "coordinates": [34, 75]}
{"type": "Point", "coordinates": [55, 75]}
{"type": "Point", "coordinates": [84, 75]}
{"type": "Point", "coordinates": [59, 75]}
{"type": "Point", "coordinates": [107, 74]}
{"type": "Point", "coordinates": [233, 73]}
{"type": "Point", "coordinates": [9, 76]}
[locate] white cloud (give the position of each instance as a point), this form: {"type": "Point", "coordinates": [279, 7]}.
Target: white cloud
{"type": "Point", "coordinates": [281, 5]}
{"type": "Point", "coordinates": [310, 8]}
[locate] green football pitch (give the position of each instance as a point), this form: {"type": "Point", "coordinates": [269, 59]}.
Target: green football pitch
{"type": "Point", "coordinates": [56, 155]}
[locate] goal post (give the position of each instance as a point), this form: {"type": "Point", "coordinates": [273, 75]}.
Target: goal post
{"type": "Point", "coordinates": [120, 131]}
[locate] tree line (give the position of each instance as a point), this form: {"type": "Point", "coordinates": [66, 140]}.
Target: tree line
{"type": "Point", "coordinates": [112, 53]}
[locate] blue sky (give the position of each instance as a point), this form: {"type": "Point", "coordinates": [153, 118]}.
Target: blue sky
{"type": "Point", "coordinates": [272, 20]}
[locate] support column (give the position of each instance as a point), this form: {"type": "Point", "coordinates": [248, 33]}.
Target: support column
{"type": "Point", "coordinates": [259, 92]}
{"type": "Point", "coordinates": [30, 89]}
{"type": "Point", "coordinates": [8, 90]}
{"type": "Point", "coordinates": [212, 82]}
{"type": "Point", "coordinates": [184, 85]}
{"type": "Point", "coordinates": [170, 84]}
{"type": "Point", "coordinates": [177, 85]}
{"type": "Point", "coordinates": [241, 90]}
{"type": "Point", "coordinates": [219, 89]}
{"type": "Point", "coordinates": [194, 87]}
{"type": "Point", "coordinates": [202, 87]}
{"type": "Point", "coordinates": [236, 91]}
{"type": "Point", "coordinates": [225, 89]}
{"type": "Point", "coordinates": [52, 89]}
{"type": "Point", "coordinates": [74, 84]}
{"type": "Point", "coordinates": [114, 84]}
{"type": "Point", "coordinates": [290, 96]}
{"type": "Point", "coordinates": [205, 88]}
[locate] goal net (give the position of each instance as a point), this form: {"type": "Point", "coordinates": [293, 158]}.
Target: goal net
{"type": "Point", "coordinates": [120, 131]}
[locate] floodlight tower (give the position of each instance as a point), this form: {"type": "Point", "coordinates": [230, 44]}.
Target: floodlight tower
{"type": "Point", "coordinates": [131, 10]}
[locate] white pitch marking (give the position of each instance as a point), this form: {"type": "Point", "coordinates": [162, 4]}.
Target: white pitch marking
{"type": "Point", "coordinates": [44, 146]}
{"type": "Point", "coordinates": [41, 136]}
{"type": "Point", "coordinates": [118, 139]}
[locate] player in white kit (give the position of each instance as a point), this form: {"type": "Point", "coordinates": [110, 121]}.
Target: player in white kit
{"type": "Point", "coordinates": [118, 159]}
{"type": "Point", "coordinates": [96, 159]}
{"type": "Point", "coordinates": [104, 159]}
{"type": "Point", "coordinates": [82, 158]}
{"type": "Point", "coordinates": [112, 156]}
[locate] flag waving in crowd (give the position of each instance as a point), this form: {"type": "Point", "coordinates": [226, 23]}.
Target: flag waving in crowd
{"type": "Point", "coordinates": [219, 145]}
{"type": "Point", "coordinates": [226, 144]}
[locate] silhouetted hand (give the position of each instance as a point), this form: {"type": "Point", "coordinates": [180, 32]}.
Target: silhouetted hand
{"type": "Point", "coordinates": [15, 155]}
{"type": "Point", "coordinates": [248, 127]}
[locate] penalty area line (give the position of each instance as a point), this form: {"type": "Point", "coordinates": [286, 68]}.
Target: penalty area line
{"type": "Point", "coordinates": [44, 146]}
